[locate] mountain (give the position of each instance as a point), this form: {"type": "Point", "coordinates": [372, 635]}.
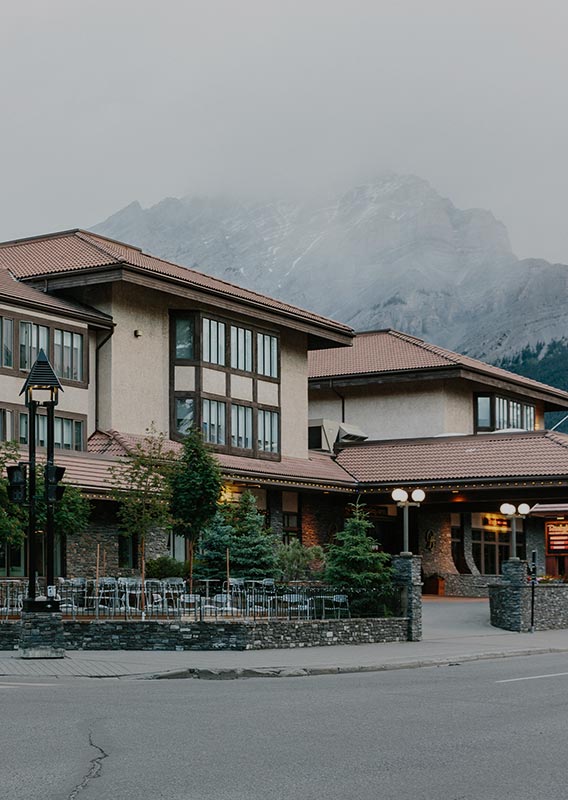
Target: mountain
{"type": "Point", "coordinates": [389, 253]}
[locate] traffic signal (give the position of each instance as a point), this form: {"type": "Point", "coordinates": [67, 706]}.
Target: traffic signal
{"type": "Point", "coordinates": [17, 483]}
{"type": "Point", "coordinates": [53, 475]}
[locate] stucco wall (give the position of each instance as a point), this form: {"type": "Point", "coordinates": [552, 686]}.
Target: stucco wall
{"type": "Point", "coordinates": [294, 393]}
{"type": "Point", "coordinates": [137, 368]}
{"type": "Point", "coordinates": [386, 412]}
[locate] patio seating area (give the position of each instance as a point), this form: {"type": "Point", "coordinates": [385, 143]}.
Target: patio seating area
{"type": "Point", "coordinates": [204, 600]}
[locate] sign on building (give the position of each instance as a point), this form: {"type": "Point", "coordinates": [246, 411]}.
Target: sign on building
{"type": "Point", "coordinates": [557, 538]}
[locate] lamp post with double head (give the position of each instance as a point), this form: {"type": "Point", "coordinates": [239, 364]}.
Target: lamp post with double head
{"type": "Point", "coordinates": [400, 496]}
{"type": "Point", "coordinates": [41, 379]}
{"type": "Point", "coordinates": [514, 513]}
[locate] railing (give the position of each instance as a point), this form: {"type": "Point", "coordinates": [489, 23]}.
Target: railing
{"type": "Point", "coordinates": [127, 598]}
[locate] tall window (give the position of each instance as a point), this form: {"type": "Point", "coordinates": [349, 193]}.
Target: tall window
{"type": "Point", "coordinates": [213, 421]}
{"type": "Point", "coordinates": [213, 341]}
{"type": "Point", "coordinates": [241, 348]}
{"type": "Point", "coordinates": [68, 433]}
{"type": "Point", "coordinates": [184, 414]}
{"type": "Point", "coordinates": [268, 438]}
{"type": "Point", "coordinates": [241, 426]}
{"type": "Point", "coordinates": [184, 338]}
{"type": "Point", "coordinates": [267, 355]}
{"type": "Point", "coordinates": [33, 338]}
{"type": "Point", "coordinates": [6, 342]}
{"type": "Point", "coordinates": [6, 425]}
{"type": "Point", "coordinates": [68, 354]}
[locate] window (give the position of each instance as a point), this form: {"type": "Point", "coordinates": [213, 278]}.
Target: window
{"type": "Point", "coordinates": [128, 551]}
{"type": "Point", "coordinates": [213, 341]}
{"type": "Point", "coordinates": [213, 421]}
{"type": "Point", "coordinates": [241, 426]}
{"type": "Point", "coordinates": [490, 547]}
{"type": "Point", "coordinates": [68, 354]}
{"type": "Point", "coordinates": [268, 439]}
{"type": "Point", "coordinates": [6, 425]}
{"type": "Point", "coordinates": [184, 414]}
{"type": "Point", "coordinates": [68, 433]}
{"type": "Point", "coordinates": [184, 338]}
{"type": "Point", "coordinates": [267, 355]}
{"type": "Point", "coordinates": [33, 338]}
{"type": "Point", "coordinates": [495, 413]}
{"type": "Point", "coordinates": [6, 342]}
{"type": "Point", "coordinates": [241, 348]}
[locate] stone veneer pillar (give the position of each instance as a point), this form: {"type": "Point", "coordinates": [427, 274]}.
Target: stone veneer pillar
{"type": "Point", "coordinates": [515, 573]}
{"type": "Point", "coordinates": [41, 635]}
{"type": "Point", "coordinates": [435, 537]}
{"type": "Point", "coordinates": [408, 569]}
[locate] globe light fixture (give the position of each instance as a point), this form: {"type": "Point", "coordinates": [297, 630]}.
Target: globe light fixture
{"type": "Point", "coordinates": [514, 513]}
{"type": "Point", "coordinates": [400, 496]}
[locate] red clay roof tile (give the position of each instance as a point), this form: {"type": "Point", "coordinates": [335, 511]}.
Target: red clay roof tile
{"type": "Point", "coordinates": [535, 454]}
{"type": "Point", "coordinates": [71, 251]}
{"type": "Point", "coordinates": [390, 351]}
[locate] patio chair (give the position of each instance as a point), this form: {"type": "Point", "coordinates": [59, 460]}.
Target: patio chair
{"type": "Point", "coordinates": [341, 605]}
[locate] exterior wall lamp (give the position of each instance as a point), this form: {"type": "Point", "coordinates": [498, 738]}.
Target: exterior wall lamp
{"type": "Point", "coordinates": [400, 496]}
{"type": "Point", "coordinates": [42, 378]}
{"type": "Point", "coordinates": [514, 513]}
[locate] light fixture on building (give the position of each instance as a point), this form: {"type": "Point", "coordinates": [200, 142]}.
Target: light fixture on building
{"type": "Point", "coordinates": [514, 513]}
{"type": "Point", "coordinates": [400, 496]}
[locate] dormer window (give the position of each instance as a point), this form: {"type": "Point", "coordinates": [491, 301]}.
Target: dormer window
{"type": "Point", "coordinates": [498, 413]}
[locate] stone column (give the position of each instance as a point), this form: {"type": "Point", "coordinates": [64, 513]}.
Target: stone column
{"type": "Point", "coordinates": [467, 544]}
{"type": "Point", "coordinates": [435, 538]}
{"type": "Point", "coordinates": [407, 570]}
{"type": "Point", "coordinates": [42, 635]}
{"type": "Point", "coordinates": [514, 612]}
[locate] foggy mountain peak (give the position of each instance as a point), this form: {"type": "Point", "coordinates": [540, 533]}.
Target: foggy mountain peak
{"type": "Point", "coordinates": [391, 252]}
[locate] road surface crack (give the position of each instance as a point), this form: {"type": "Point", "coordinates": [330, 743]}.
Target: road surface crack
{"type": "Point", "coordinates": [94, 770]}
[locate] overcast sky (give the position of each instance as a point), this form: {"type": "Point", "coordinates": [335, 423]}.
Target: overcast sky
{"type": "Point", "coordinates": [109, 101]}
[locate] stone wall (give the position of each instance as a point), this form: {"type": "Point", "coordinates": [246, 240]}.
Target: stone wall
{"type": "Point", "coordinates": [228, 635]}
{"type": "Point", "coordinates": [510, 603]}
{"type": "Point", "coordinates": [407, 570]}
{"type": "Point", "coordinates": [469, 585]}
{"type": "Point", "coordinates": [322, 517]}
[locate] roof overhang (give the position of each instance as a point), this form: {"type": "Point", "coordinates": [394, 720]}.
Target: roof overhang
{"type": "Point", "coordinates": [554, 400]}
{"type": "Point", "coordinates": [320, 334]}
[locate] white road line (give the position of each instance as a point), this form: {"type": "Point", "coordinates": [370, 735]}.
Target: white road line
{"type": "Point", "coordinates": [534, 677]}
{"type": "Point", "coordinates": [23, 684]}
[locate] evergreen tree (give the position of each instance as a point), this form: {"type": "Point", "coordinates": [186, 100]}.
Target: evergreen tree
{"type": "Point", "coordinates": [297, 563]}
{"type": "Point", "coordinates": [353, 562]}
{"type": "Point", "coordinates": [253, 546]}
{"type": "Point", "coordinates": [242, 529]}
{"type": "Point", "coordinates": [211, 560]}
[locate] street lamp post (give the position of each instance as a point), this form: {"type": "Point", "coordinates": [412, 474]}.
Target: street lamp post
{"type": "Point", "coordinates": [400, 496]}
{"type": "Point", "coordinates": [41, 378]}
{"type": "Point", "coordinates": [514, 513]}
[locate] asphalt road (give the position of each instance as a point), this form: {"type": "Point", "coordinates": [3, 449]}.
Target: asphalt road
{"type": "Point", "coordinates": [488, 730]}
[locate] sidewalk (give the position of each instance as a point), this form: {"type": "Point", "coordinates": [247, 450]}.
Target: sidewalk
{"type": "Point", "coordinates": [455, 630]}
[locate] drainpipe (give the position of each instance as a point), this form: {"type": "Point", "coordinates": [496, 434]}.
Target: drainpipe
{"type": "Point", "coordinates": [97, 371]}
{"type": "Point", "coordinates": [341, 397]}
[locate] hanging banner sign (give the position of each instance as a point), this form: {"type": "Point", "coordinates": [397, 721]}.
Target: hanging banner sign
{"type": "Point", "coordinates": [557, 538]}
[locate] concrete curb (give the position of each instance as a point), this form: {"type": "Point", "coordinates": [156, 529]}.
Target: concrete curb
{"type": "Point", "coordinates": [303, 672]}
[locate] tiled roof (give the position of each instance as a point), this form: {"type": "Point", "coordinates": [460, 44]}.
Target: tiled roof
{"type": "Point", "coordinates": [318, 468]}
{"type": "Point", "coordinates": [392, 351]}
{"type": "Point", "coordinates": [13, 291]}
{"type": "Point", "coordinates": [77, 250]}
{"type": "Point", "coordinates": [535, 454]}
